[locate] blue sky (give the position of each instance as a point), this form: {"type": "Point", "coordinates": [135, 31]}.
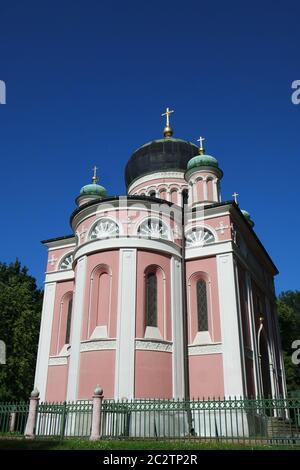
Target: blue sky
{"type": "Point", "coordinates": [86, 84]}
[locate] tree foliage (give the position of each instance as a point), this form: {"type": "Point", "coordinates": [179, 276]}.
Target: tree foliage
{"type": "Point", "coordinates": [20, 313]}
{"type": "Point", "coordinates": [288, 306]}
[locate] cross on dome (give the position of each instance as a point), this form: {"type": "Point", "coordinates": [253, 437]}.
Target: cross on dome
{"type": "Point", "coordinates": [201, 148]}
{"type": "Point", "coordinates": [168, 131]}
{"type": "Point", "coordinates": [95, 178]}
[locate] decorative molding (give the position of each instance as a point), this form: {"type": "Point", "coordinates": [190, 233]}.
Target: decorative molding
{"type": "Point", "coordinates": [56, 276]}
{"type": "Point", "coordinates": [216, 248]}
{"type": "Point", "coordinates": [155, 176]}
{"type": "Point", "coordinates": [97, 345]}
{"type": "Point", "coordinates": [58, 360]}
{"type": "Point", "coordinates": [163, 346]}
{"type": "Point", "coordinates": [204, 349]}
{"type": "Point", "coordinates": [93, 246]}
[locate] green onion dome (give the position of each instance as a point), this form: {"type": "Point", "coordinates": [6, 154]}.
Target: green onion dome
{"type": "Point", "coordinates": [93, 190]}
{"type": "Point", "coordinates": [247, 217]}
{"type": "Point", "coordinates": [202, 160]}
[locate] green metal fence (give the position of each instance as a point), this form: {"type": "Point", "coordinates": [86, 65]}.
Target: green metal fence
{"type": "Point", "coordinates": [13, 417]}
{"type": "Point", "coordinates": [263, 420]}
{"type": "Point", "coordinates": [269, 421]}
{"type": "Point", "coordinates": [72, 419]}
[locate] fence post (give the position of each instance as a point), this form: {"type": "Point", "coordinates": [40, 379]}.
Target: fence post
{"type": "Point", "coordinates": [96, 416]}
{"type": "Point", "coordinates": [12, 421]}
{"type": "Point", "coordinates": [31, 420]}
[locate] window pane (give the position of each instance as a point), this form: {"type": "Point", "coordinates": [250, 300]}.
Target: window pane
{"type": "Point", "coordinates": [202, 306]}
{"type": "Point", "coordinates": [151, 298]}
{"type": "Point", "coordinates": [69, 318]}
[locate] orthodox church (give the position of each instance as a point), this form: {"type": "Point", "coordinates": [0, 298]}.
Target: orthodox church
{"type": "Point", "coordinates": [166, 292]}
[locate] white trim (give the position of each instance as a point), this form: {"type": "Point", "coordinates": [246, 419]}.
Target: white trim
{"type": "Point", "coordinates": [205, 349]}
{"type": "Point", "coordinates": [125, 356]}
{"type": "Point", "coordinates": [58, 360]}
{"type": "Point", "coordinates": [211, 249]}
{"type": "Point", "coordinates": [55, 276]}
{"type": "Point", "coordinates": [153, 332]}
{"type": "Point", "coordinates": [93, 246]}
{"type": "Point", "coordinates": [232, 366]}
{"type": "Point", "coordinates": [155, 176]}
{"type": "Point", "coordinates": [162, 346]}
{"type": "Point", "coordinates": [177, 330]}
{"type": "Point", "coordinates": [41, 373]}
{"type": "Point", "coordinates": [97, 345]}
{"type": "Point", "coordinates": [77, 314]}
{"type": "Point", "coordinates": [56, 245]}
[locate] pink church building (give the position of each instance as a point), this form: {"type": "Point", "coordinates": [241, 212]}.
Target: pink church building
{"type": "Point", "coordinates": [166, 292]}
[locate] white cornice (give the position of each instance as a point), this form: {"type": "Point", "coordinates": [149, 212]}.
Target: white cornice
{"type": "Point", "coordinates": [56, 276]}
{"type": "Point", "coordinates": [93, 246]}
{"type": "Point", "coordinates": [154, 176]}
{"type": "Point", "coordinates": [146, 344]}
{"type": "Point", "coordinates": [209, 250]}
{"type": "Point", "coordinates": [97, 345]}
{"type": "Point", "coordinates": [58, 244]}
{"type": "Point", "coordinates": [204, 349]}
{"type": "Point", "coordinates": [58, 360]}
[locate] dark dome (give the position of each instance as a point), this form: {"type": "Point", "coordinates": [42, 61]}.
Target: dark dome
{"type": "Point", "coordinates": [159, 155]}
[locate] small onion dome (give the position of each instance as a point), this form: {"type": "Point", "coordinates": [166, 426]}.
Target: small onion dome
{"type": "Point", "coordinates": [247, 217]}
{"type": "Point", "coordinates": [93, 190]}
{"type": "Point", "coordinates": [202, 160]}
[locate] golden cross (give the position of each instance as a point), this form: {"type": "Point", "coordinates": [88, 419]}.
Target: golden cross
{"type": "Point", "coordinates": [235, 195]}
{"type": "Point", "coordinates": [201, 140]}
{"type": "Point", "coordinates": [167, 114]}
{"type": "Point", "coordinates": [95, 178]}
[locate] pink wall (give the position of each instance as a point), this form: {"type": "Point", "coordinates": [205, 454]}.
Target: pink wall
{"type": "Point", "coordinates": [60, 315]}
{"type": "Point", "coordinates": [206, 376]}
{"type": "Point", "coordinates": [204, 268]}
{"type": "Point", "coordinates": [56, 256]}
{"type": "Point", "coordinates": [96, 367]}
{"type": "Point", "coordinates": [153, 374]}
{"type": "Point", "coordinates": [56, 389]}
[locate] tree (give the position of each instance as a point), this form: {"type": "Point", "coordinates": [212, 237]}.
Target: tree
{"type": "Point", "coordinates": [20, 313]}
{"type": "Point", "coordinates": [288, 305]}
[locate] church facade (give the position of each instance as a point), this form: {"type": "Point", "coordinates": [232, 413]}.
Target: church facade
{"type": "Point", "coordinates": [166, 292]}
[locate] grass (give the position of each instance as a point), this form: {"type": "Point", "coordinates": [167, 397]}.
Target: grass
{"type": "Point", "coordinates": [107, 445]}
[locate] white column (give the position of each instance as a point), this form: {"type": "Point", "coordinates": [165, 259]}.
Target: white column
{"type": "Point", "coordinates": [168, 196]}
{"type": "Point", "coordinates": [177, 329]}
{"type": "Point", "coordinates": [77, 315]}
{"type": "Point", "coordinates": [272, 356]}
{"type": "Point", "coordinates": [41, 373]}
{"type": "Point", "coordinates": [215, 190]}
{"type": "Point", "coordinates": [230, 331]}
{"type": "Point", "coordinates": [125, 348]}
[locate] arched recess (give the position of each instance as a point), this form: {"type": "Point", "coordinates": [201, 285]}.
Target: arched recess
{"type": "Point", "coordinates": [100, 292]}
{"type": "Point", "coordinates": [154, 303]}
{"type": "Point", "coordinates": [174, 196]}
{"type": "Point", "coordinates": [65, 321]}
{"type": "Point", "coordinates": [200, 315]}
{"type": "Point", "coordinates": [199, 189]}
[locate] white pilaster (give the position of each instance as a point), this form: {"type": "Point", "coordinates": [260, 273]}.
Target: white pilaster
{"type": "Point", "coordinates": [251, 318]}
{"type": "Point", "coordinates": [177, 330]}
{"type": "Point", "coordinates": [45, 339]}
{"type": "Point", "coordinates": [215, 190]}
{"type": "Point", "coordinates": [230, 331]}
{"type": "Point", "coordinates": [125, 360]}
{"type": "Point", "coordinates": [77, 315]}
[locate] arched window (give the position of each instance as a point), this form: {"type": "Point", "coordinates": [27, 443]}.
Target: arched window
{"type": "Point", "coordinates": [151, 300]}
{"type": "Point", "coordinates": [202, 311]}
{"type": "Point", "coordinates": [153, 228]}
{"type": "Point", "coordinates": [104, 228]}
{"type": "Point", "coordinates": [66, 262]}
{"type": "Point", "coordinates": [152, 194]}
{"type": "Point", "coordinates": [69, 319]}
{"type": "Point", "coordinates": [199, 236]}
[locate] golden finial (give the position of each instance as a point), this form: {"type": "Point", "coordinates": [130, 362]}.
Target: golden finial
{"type": "Point", "coordinates": [95, 178]}
{"type": "Point", "coordinates": [168, 131]}
{"type": "Point", "coordinates": [201, 148]}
